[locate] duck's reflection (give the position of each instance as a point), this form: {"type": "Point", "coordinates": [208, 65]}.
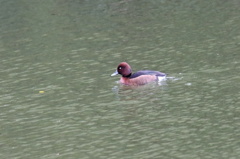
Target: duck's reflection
{"type": "Point", "coordinates": [125, 92]}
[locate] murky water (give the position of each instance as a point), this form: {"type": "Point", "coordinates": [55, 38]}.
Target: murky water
{"type": "Point", "coordinates": [57, 99]}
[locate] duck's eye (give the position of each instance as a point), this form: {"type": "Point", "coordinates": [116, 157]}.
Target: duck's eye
{"type": "Point", "coordinates": [119, 68]}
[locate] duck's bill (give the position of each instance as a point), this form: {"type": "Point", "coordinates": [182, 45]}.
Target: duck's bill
{"type": "Point", "coordinates": [115, 73]}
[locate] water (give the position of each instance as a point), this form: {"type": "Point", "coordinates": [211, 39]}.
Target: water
{"type": "Point", "coordinates": [69, 49]}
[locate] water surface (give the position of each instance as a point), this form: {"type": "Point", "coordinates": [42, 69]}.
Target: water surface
{"type": "Point", "coordinates": [69, 49]}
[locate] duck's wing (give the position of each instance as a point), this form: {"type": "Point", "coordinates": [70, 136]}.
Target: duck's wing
{"type": "Point", "coordinates": [147, 72]}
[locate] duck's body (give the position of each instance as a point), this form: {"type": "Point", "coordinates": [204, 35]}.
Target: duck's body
{"type": "Point", "coordinates": [139, 78]}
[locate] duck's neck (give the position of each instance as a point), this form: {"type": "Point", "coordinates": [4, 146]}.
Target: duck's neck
{"type": "Point", "coordinates": [128, 75]}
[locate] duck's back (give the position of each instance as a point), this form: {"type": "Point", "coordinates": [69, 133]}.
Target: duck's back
{"type": "Point", "coordinates": [147, 72]}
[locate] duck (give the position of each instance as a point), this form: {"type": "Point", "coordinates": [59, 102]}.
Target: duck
{"type": "Point", "coordinates": [141, 77]}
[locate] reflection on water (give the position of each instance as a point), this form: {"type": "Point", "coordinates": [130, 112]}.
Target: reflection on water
{"type": "Point", "coordinates": [138, 92]}
{"type": "Point", "coordinates": [68, 49]}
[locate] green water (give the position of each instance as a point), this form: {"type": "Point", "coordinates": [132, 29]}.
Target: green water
{"type": "Point", "coordinates": [69, 49]}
